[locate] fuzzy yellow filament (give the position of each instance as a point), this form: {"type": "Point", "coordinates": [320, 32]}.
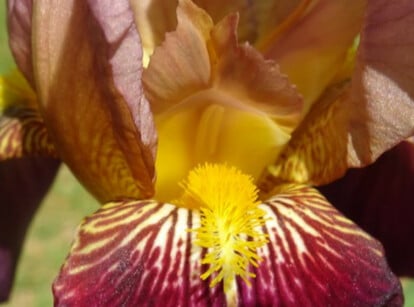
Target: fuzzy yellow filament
{"type": "Point", "coordinates": [230, 221]}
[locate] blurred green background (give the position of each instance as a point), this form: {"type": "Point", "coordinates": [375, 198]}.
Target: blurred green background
{"type": "Point", "coordinates": [52, 230]}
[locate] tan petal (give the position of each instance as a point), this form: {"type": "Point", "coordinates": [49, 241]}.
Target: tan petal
{"type": "Point", "coordinates": [247, 28]}
{"type": "Point", "coordinates": [382, 94]}
{"type": "Point", "coordinates": [353, 123]}
{"type": "Point", "coordinates": [317, 152]}
{"type": "Point", "coordinates": [19, 22]}
{"type": "Point", "coordinates": [200, 58]}
{"type": "Point", "coordinates": [314, 48]}
{"type": "Point", "coordinates": [204, 100]}
{"type": "Point", "coordinates": [88, 69]}
{"type": "Point", "coordinates": [153, 18]}
{"type": "Point", "coordinates": [273, 16]}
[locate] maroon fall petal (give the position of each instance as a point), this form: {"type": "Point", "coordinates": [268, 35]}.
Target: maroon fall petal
{"type": "Point", "coordinates": [380, 199]}
{"type": "Point", "coordinates": [135, 254]}
{"type": "Point", "coordinates": [23, 184]}
{"type": "Point", "coordinates": [140, 253]}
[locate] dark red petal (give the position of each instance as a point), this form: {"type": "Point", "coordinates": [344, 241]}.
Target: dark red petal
{"type": "Point", "coordinates": [139, 253]}
{"type": "Point", "coordinates": [318, 258]}
{"type": "Point", "coordinates": [380, 199]}
{"type": "Point", "coordinates": [132, 254]}
{"type": "Point", "coordinates": [23, 184]}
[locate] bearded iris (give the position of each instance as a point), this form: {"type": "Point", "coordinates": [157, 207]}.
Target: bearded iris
{"type": "Point", "coordinates": [228, 118]}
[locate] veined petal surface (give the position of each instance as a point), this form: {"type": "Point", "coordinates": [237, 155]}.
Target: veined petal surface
{"type": "Point", "coordinates": [317, 152]}
{"type": "Point", "coordinates": [314, 47]}
{"type": "Point", "coordinates": [22, 130]}
{"type": "Point", "coordinates": [318, 257]}
{"type": "Point", "coordinates": [354, 122]}
{"type": "Point", "coordinates": [140, 253]}
{"type": "Point", "coordinates": [135, 253]}
{"type": "Point", "coordinates": [88, 62]}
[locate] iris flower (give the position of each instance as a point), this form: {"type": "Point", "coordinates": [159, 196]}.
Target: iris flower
{"type": "Point", "coordinates": [202, 128]}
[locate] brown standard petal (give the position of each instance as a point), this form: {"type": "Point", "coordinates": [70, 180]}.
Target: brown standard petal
{"type": "Point", "coordinates": [87, 58]}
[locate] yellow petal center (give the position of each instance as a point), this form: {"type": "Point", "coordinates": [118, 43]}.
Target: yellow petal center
{"type": "Point", "coordinates": [217, 133]}
{"type": "Point", "coordinates": [230, 221]}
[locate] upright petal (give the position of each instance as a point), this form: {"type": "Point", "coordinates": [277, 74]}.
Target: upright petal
{"type": "Point", "coordinates": [154, 18]}
{"type": "Point", "coordinates": [19, 20]}
{"type": "Point", "coordinates": [203, 100]}
{"type": "Point", "coordinates": [23, 184]}
{"type": "Point", "coordinates": [380, 199]}
{"type": "Point", "coordinates": [312, 50]}
{"type": "Point", "coordinates": [87, 58]}
{"type": "Point", "coordinates": [382, 97]}
{"type": "Point", "coordinates": [354, 122]}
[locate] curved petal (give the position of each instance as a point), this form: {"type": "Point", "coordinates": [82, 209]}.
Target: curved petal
{"type": "Point", "coordinates": [87, 58]}
{"type": "Point", "coordinates": [135, 253]}
{"type": "Point", "coordinates": [154, 18]}
{"type": "Point", "coordinates": [317, 152]}
{"type": "Point", "coordinates": [382, 94]}
{"type": "Point", "coordinates": [22, 131]}
{"type": "Point", "coordinates": [19, 21]}
{"type": "Point", "coordinates": [313, 49]}
{"type": "Point", "coordinates": [24, 183]}
{"type": "Point", "coordinates": [320, 258]}
{"type": "Point", "coordinates": [353, 123]}
{"type": "Point", "coordinates": [380, 199]}
{"type": "Point", "coordinates": [142, 253]}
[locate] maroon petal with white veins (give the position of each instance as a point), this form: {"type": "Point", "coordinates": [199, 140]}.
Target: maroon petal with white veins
{"type": "Point", "coordinates": [318, 257]}
{"type": "Point", "coordinates": [141, 254]}
{"type": "Point", "coordinates": [135, 254]}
